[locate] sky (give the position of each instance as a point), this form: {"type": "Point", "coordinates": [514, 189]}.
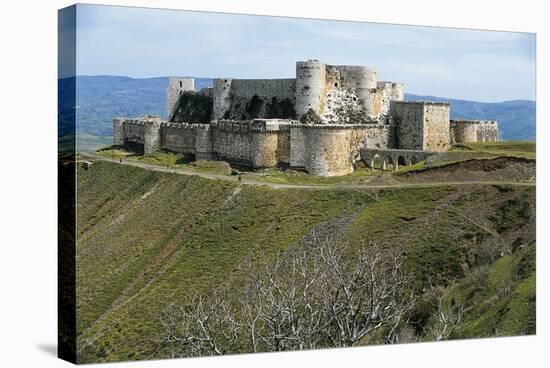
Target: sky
{"type": "Point", "coordinates": [487, 66]}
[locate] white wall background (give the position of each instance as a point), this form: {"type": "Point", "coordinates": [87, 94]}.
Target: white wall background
{"type": "Point", "coordinates": [28, 206]}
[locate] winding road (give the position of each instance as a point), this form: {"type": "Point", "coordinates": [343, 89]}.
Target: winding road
{"type": "Point", "coordinates": [248, 181]}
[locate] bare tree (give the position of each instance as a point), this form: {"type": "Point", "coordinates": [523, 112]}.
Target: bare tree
{"type": "Point", "coordinates": [446, 317]}
{"type": "Point", "coordinates": [206, 326]}
{"type": "Point", "coordinates": [363, 295]}
{"type": "Point", "coordinates": [321, 293]}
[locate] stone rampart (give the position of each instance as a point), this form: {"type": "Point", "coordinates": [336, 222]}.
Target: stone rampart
{"type": "Point", "coordinates": [380, 136]}
{"type": "Point", "coordinates": [246, 99]}
{"type": "Point", "coordinates": [466, 131]}
{"type": "Point", "coordinates": [330, 150]}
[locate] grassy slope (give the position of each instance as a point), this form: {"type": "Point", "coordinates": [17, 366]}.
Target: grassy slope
{"type": "Point", "coordinates": [458, 153]}
{"type": "Point", "coordinates": [145, 238]}
{"type": "Point", "coordinates": [499, 299]}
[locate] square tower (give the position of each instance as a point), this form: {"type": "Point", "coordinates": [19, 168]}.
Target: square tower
{"type": "Point", "coordinates": [422, 125]}
{"type": "Point", "coordinates": [176, 87]}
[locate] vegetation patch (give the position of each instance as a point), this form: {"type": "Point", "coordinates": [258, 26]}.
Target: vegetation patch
{"type": "Point", "coordinates": [147, 239]}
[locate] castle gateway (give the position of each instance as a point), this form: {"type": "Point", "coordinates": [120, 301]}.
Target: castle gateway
{"type": "Point", "coordinates": [324, 120]}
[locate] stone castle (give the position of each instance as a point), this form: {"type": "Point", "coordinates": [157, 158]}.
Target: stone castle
{"type": "Point", "coordinates": [325, 121]}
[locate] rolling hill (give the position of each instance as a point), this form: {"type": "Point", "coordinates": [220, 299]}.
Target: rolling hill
{"type": "Point", "coordinates": [146, 239]}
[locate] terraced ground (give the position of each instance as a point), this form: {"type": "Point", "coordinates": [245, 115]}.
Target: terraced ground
{"type": "Point", "coordinates": [146, 238]}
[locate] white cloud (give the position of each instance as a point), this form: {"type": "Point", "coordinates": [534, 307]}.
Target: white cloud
{"type": "Point", "coordinates": [448, 62]}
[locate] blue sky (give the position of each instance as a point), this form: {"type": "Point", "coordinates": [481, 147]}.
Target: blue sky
{"type": "Point", "coordinates": [454, 63]}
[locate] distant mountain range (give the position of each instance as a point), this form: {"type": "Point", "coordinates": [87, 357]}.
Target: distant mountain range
{"type": "Point", "coordinates": [100, 98]}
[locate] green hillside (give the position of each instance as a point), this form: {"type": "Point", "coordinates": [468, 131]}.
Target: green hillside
{"type": "Point", "coordinates": [146, 238]}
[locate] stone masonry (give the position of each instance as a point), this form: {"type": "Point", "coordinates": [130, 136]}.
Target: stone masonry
{"type": "Point", "coordinates": [323, 121]}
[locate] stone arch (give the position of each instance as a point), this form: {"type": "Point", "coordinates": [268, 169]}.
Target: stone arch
{"type": "Point", "coordinates": [388, 163]}
{"type": "Point", "coordinates": [402, 161]}
{"type": "Point", "coordinates": [376, 162]}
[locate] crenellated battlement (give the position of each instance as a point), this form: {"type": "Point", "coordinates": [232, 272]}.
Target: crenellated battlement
{"type": "Point", "coordinates": [322, 121]}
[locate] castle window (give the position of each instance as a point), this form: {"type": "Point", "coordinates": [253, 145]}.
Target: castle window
{"type": "Point", "coordinates": [336, 84]}
{"type": "Point", "coordinates": [181, 85]}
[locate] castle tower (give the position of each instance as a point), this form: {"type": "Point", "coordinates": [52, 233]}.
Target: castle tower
{"type": "Point", "coordinates": [310, 86]}
{"type": "Point", "coordinates": [118, 131]}
{"type": "Point", "coordinates": [151, 137]}
{"type": "Point", "coordinates": [221, 96]}
{"type": "Point", "coordinates": [362, 80]}
{"type": "Point", "coordinates": [397, 92]}
{"type": "Point", "coordinates": [176, 86]}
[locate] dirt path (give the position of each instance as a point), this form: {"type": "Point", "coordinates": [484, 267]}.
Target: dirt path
{"type": "Point", "coordinates": [302, 186]}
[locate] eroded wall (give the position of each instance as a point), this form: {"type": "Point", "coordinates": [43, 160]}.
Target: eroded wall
{"type": "Point", "coordinates": [487, 131]}
{"type": "Point", "coordinates": [231, 141]}
{"type": "Point", "coordinates": [297, 143]}
{"type": "Point", "coordinates": [331, 149]}
{"type": "Point", "coordinates": [421, 125]}
{"type": "Point", "coordinates": [176, 87]}
{"type": "Point", "coordinates": [134, 131]}
{"type": "Point", "coordinates": [408, 117]}
{"type": "Point", "coordinates": [380, 136]}
{"type": "Point", "coordinates": [246, 99]}
{"type": "Point", "coordinates": [178, 137]}
{"type": "Point", "coordinates": [437, 126]}
{"type": "Point", "coordinates": [465, 131]}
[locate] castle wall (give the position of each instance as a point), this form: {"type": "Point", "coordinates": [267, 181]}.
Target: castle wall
{"type": "Point", "coordinates": [437, 129]}
{"type": "Point", "coordinates": [178, 137]}
{"type": "Point", "coordinates": [270, 142]}
{"type": "Point", "coordinates": [151, 138]}
{"type": "Point", "coordinates": [297, 141]}
{"type": "Point", "coordinates": [408, 116]}
{"type": "Point", "coordinates": [246, 99]}
{"type": "Point", "coordinates": [221, 95]}
{"type": "Point", "coordinates": [118, 131]}
{"type": "Point", "coordinates": [385, 93]}
{"type": "Point", "coordinates": [487, 131]}
{"type": "Point", "coordinates": [204, 143]}
{"type": "Point", "coordinates": [231, 141]}
{"type": "Point", "coordinates": [263, 149]}
{"type": "Point", "coordinates": [398, 92]}
{"type": "Point", "coordinates": [380, 136]}
{"type": "Point", "coordinates": [465, 131]}
{"type": "Point", "coordinates": [280, 88]}
{"type": "Point", "coordinates": [362, 81]}
{"type": "Point", "coordinates": [134, 131]}
{"type": "Point", "coordinates": [176, 86]}
{"type": "Point", "coordinates": [343, 107]}
{"type": "Point", "coordinates": [421, 125]}
{"type": "Point", "coordinates": [283, 148]}
{"type": "Point", "coordinates": [331, 149]}
{"type": "Point", "coordinates": [382, 99]}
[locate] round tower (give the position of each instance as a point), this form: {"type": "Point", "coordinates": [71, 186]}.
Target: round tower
{"type": "Point", "coordinates": [310, 86]}
{"type": "Point", "coordinates": [222, 98]}
{"type": "Point", "coordinates": [363, 81]}
{"type": "Point", "coordinates": [328, 150]}
{"type": "Point", "coordinates": [397, 92]}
